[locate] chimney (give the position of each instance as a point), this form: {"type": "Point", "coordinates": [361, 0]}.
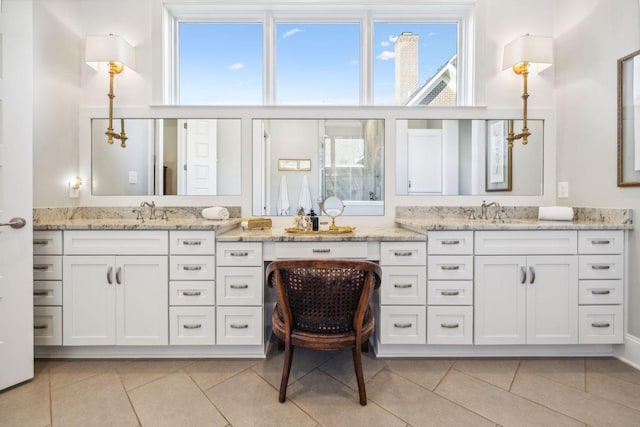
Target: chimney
{"type": "Point", "coordinates": [406, 57]}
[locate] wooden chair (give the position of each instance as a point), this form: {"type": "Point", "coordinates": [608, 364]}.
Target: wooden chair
{"type": "Point", "coordinates": [323, 304]}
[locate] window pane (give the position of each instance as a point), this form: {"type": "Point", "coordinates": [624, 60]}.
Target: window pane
{"type": "Point", "coordinates": [220, 63]}
{"type": "Point", "coordinates": [317, 64]}
{"type": "Point", "coordinates": [415, 64]}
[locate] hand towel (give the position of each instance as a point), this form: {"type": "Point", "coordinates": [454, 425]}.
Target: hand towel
{"type": "Point", "coordinates": [555, 213]}
{"type": "Point", "coordinates": [304, 198]}
{"type": "Point", "coordinates": [282, 206]}
{"type": "Point", "coordinates": [216, 212]}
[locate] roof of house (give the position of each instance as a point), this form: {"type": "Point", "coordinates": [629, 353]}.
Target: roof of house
{"type": "Point", "coordinates": [443, 79]}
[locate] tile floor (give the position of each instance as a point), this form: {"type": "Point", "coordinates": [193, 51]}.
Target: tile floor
{"type": "Point", "coordinates": [323, 392]}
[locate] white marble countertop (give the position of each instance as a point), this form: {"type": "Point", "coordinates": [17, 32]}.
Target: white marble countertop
{"type": "Point", "coordinates": [134, 224]}
{"type": "Point", "coordinates": [360, 234]}
{"type": "Point", "coordinates": [435, 223]}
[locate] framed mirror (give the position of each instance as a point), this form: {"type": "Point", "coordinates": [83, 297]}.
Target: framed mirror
{"type": "Point", "coordinates": [629, 120]}
{"type": "Point", "coordinates": [167, 157]}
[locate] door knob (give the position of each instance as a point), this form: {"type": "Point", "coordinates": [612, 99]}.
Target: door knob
{"type": "Point", "coordinates": [14, 223]}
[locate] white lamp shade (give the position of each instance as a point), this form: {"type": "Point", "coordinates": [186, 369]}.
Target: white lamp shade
{"type": "Point", "coordinates": [528, 48]}
{"type": "Point", "coordinates": [109, 48]}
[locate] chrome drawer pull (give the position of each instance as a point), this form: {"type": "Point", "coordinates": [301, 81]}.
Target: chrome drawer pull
{"type": "Point", "coordinates": [407, 253]}
{"type": "Point", "coordinates": [450, 293]}
{"type": "Point", "coordinates": [601, 325]}
{"type": "Point", "coordinates": [40, 326]}
{"type": "Point", "coordinates": [238, 326]}
{"type": "Point", "coordinates": [600, 267]}
{"type": "Point", "coordinates": [40, 267]}
{"type": "Point", "coordinates": [235, 253]}
{"type": "Point", "coordinates": [402, 325]}
{"type": "Point", "coordinates": [402, 285]}
{"type": "Point", "coordinates": [40, 242]}
{"type": "Point", "coordinates": [320, 251]}
{"type": "Point", "coordinates": [119, 276]}
{"type": "Point", "coordinates": [240, 286]}
{"type": "Point", "coordinates": [450, 267]}
{"type": "Point", "coordinates": [600, 242]}
{"type": "Point", "coordinates": [523, 275]}
{"type": "Point", "coordinates": [450, 242]}
{"type": "Point", "coordinates": [110, 275]}
{"type": "Point", "coordinates": [191, 294]}
{"type": "Point", "coordinates": [194, 326]}
{"type": "Point", "coordinates": [40, 293]}
{"type": "Point", "coordinates": [606, 292]}
{"type": "Point", "coordinates": [450, 325]}
{"type": "Point", "coordinates": [192, 242]}
{"type": "Point", "coordinates": [533, 275]}
{"type": "Point", "coordinates": [192, 267]}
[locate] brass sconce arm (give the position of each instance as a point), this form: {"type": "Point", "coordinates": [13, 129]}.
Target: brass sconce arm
{"type": "Point", "coordinates": [523, 70]}
{"type": "Point", "coordinates": [114, 68]}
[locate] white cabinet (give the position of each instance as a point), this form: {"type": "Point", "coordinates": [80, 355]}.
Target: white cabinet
{"type": "Point", "coordinates": [47, 287]}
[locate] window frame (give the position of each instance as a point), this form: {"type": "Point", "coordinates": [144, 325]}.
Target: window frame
{"type": "Point", "coordinates": [366, 15]}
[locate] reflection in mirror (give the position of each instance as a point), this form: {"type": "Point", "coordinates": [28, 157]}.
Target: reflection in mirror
{"type": "Point", "coordinates": [629, 120]}
{"type": "Point", "coordinates": [322, 158]}
{"type": "Point", "coordinates": [168, 157]}
{"type": "Point", "coordinates": [467, 157]}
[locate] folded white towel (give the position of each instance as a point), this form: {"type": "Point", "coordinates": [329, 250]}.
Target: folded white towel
{"type": "Point", "coordinates": [282, 206]}
{"type": "Point", "coordinates": [555, 213]}
{"type": "Point", "coordinates": [216, 212]}
{"type": "Point", "coordinates": [304, 198]}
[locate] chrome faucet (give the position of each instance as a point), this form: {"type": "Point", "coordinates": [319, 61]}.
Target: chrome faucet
{"type": "Point", "coordinates": [152, 208]}
{"type": "Point", "coordinates": [484, 206]}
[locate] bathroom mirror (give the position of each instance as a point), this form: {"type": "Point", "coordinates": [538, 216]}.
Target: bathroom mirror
{"type": "Point", "coordinates": [467, 157]}
{"type": "Point", "coordinates": [167, 157]}
{"type": "Point", "coordinates": [333, 207]}
{"type": "Point", "coordinates": [300, 162]}
{"type": "Point", "coordinates": [629, 120]}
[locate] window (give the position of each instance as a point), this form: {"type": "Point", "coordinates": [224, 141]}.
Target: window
{"type": "Point", "coordinates": [303, 54]}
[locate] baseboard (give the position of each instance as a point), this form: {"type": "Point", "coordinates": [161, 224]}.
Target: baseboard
{"type": "Point", "coordinates": [630, 351]}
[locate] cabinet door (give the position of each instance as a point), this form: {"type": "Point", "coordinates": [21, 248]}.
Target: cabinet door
{"type": "Point", "coordinates": [499, 301]}
{"type": "Point", "coordinates": [552, 299]}
{"type": "Point", "coordinates": [89, 301]}
{"type": "Point", "coordinates": [142, 290]}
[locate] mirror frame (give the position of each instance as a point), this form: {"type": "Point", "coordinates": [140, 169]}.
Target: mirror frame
{"type": "Point", "coordinates": [621, 141]}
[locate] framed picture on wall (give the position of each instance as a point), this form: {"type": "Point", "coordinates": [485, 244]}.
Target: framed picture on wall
{"type": "Point", "coordinates": [294, 164]}
{"type": "Point", "coordinates": [498, 171]}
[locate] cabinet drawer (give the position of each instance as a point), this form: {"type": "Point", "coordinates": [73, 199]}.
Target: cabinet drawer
{"type": "Point", "coordinates": [47, 267]}
{"type": "Point", "coordinates": [403, 324]}
{"type": "Point", "coordinates": [403, 253]}
{"type": "Point", "coordinates": [600, 267]}
{"type": "Point", "coordinates": [239, 325]}
{"type": "Point", "coordinates": [47, 293]}
{"type": "Point", "coordinates": [600, 324]}
{"type": "Point", "coordinates": [47, 325]}
{"type": "Point", "coordinates": [600, 242]}
{"type": "Point", "coordinates": [239, 285]}
{"type": "Point", "coordinates": [321, 250]}
{"type": "Point", "coordinates": [600, 292]}
{"type": "Point", "coordinates": [450, 292]}
{"type": "Point", "coordinates": [556, 242]}
{"type": "Point", "coordinates": [106, 242]}
{"type": "Point", "coordinates": [450, 325]}
{"type": "Point", "coordinates": [47, 242]}
{"type": "Point", "coordinates": [239, 254]}
{"type": "Point", "coordinates": [192, 325]}
{"type": "Point", "coordinates": [192, 293]}
{"type": "Point", "coordinates": [194, 267]}
{"type": "Point", "coordinates": [403, 285]}
{"type": "Point", "coordinates": [192, 242]}
{"type": "Point", "coordinates": [450, 242]}
{"type": "Point", "coordinates": [445, 267]}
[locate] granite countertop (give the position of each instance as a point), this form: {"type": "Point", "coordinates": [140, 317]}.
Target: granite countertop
{"type": "Point", "coordinates": [360, 234]}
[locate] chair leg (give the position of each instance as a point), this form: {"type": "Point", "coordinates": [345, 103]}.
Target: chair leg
{"type": "Point", "coordinates": [357, 364]}
{"type": "Point", "coordinates": [286, 369]}
{"type": "Point", "coordinates": [365, 346]}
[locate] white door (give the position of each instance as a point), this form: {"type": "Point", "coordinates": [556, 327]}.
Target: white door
{"type": "Point", "coordinates": [424, 168]}
{"type": "Point", "coordinates": [16, 249]}
{"type": "Point", "coordinates": [200, 165]}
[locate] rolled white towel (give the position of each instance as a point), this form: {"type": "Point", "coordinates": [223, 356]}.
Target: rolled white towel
{"type": "Point", "coordinates": [555, 213]}
{"type": "Point", "coordinates": [216, 212]}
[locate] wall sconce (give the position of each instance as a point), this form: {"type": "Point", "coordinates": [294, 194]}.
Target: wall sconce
{"type": "Point", "coordinates": [518, 55]}
{"type": "Point", "coordinates": [117, 52]}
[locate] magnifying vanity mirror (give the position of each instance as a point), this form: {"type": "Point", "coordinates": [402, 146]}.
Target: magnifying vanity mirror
{"type": "Point", "coordinates": [629, 120]}
{"type": "Point", "coordinates": [333, 208]}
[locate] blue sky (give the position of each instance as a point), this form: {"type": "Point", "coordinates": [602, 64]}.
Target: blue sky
{"type": "Point", "coordinates": [315, 63]}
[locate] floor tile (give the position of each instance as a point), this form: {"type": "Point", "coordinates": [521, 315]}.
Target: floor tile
{"type": "Point", "coordinates": [340, 367]}
{"type": "Point", "coordinates": [569, 371]}
{"type": "Point", "coordinates": [96, 401]}
{"type": "Point", "coordinates": [497, 404]}
{"type": "Point", "coordinates": [207, 373]}
{"type": "Point", "coordinates": [172, 401]}
{"type": "Point", "coordinates": [614, 368]}
{"type": "Point", "coordinates": [27, 404]}
{"type": "Point", "coordinates": [63, 373]}
{"type": "Point", "coordinates": [499, 372]}
{"type": "Point", "coordinates": [139, 372]}
{"type": "Point", "coordinates": [424, 372]}
{"type": "Point", "coordinates": [614, 389]}
{"type": "Point", "coordinates": [304, 361]}
{"type": "Point", "coordinates": [248, 400]}
{"type": "Point", "coordinates": [334, 404]}
{"type": "Point", "coordinates": [580, 405]}
{"type": "Point", "coordinates": [418, 406]}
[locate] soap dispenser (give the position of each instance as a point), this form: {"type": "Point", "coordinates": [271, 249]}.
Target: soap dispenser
{"type": "Point", "coordinates": [315, 221]}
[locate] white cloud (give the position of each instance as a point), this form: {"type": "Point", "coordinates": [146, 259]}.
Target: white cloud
{"type": "Point", "coordinates": [393, 39]}
{"type": "Point", "coordinates": [384, 44]}
{"type": "Point", "coordinates": [386, 55]}
{"type": "Point", "coordinates": [236, 66]}
{"type": "Point", "coordinates": [291, 32]}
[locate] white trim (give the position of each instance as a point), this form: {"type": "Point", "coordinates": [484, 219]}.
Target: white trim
{"type": "Point", "coordinates": [630, 351]}
{"type": "Point", "coordinates": [152, 352]}
{"type": "Point", "coordinates": [526, 350]}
